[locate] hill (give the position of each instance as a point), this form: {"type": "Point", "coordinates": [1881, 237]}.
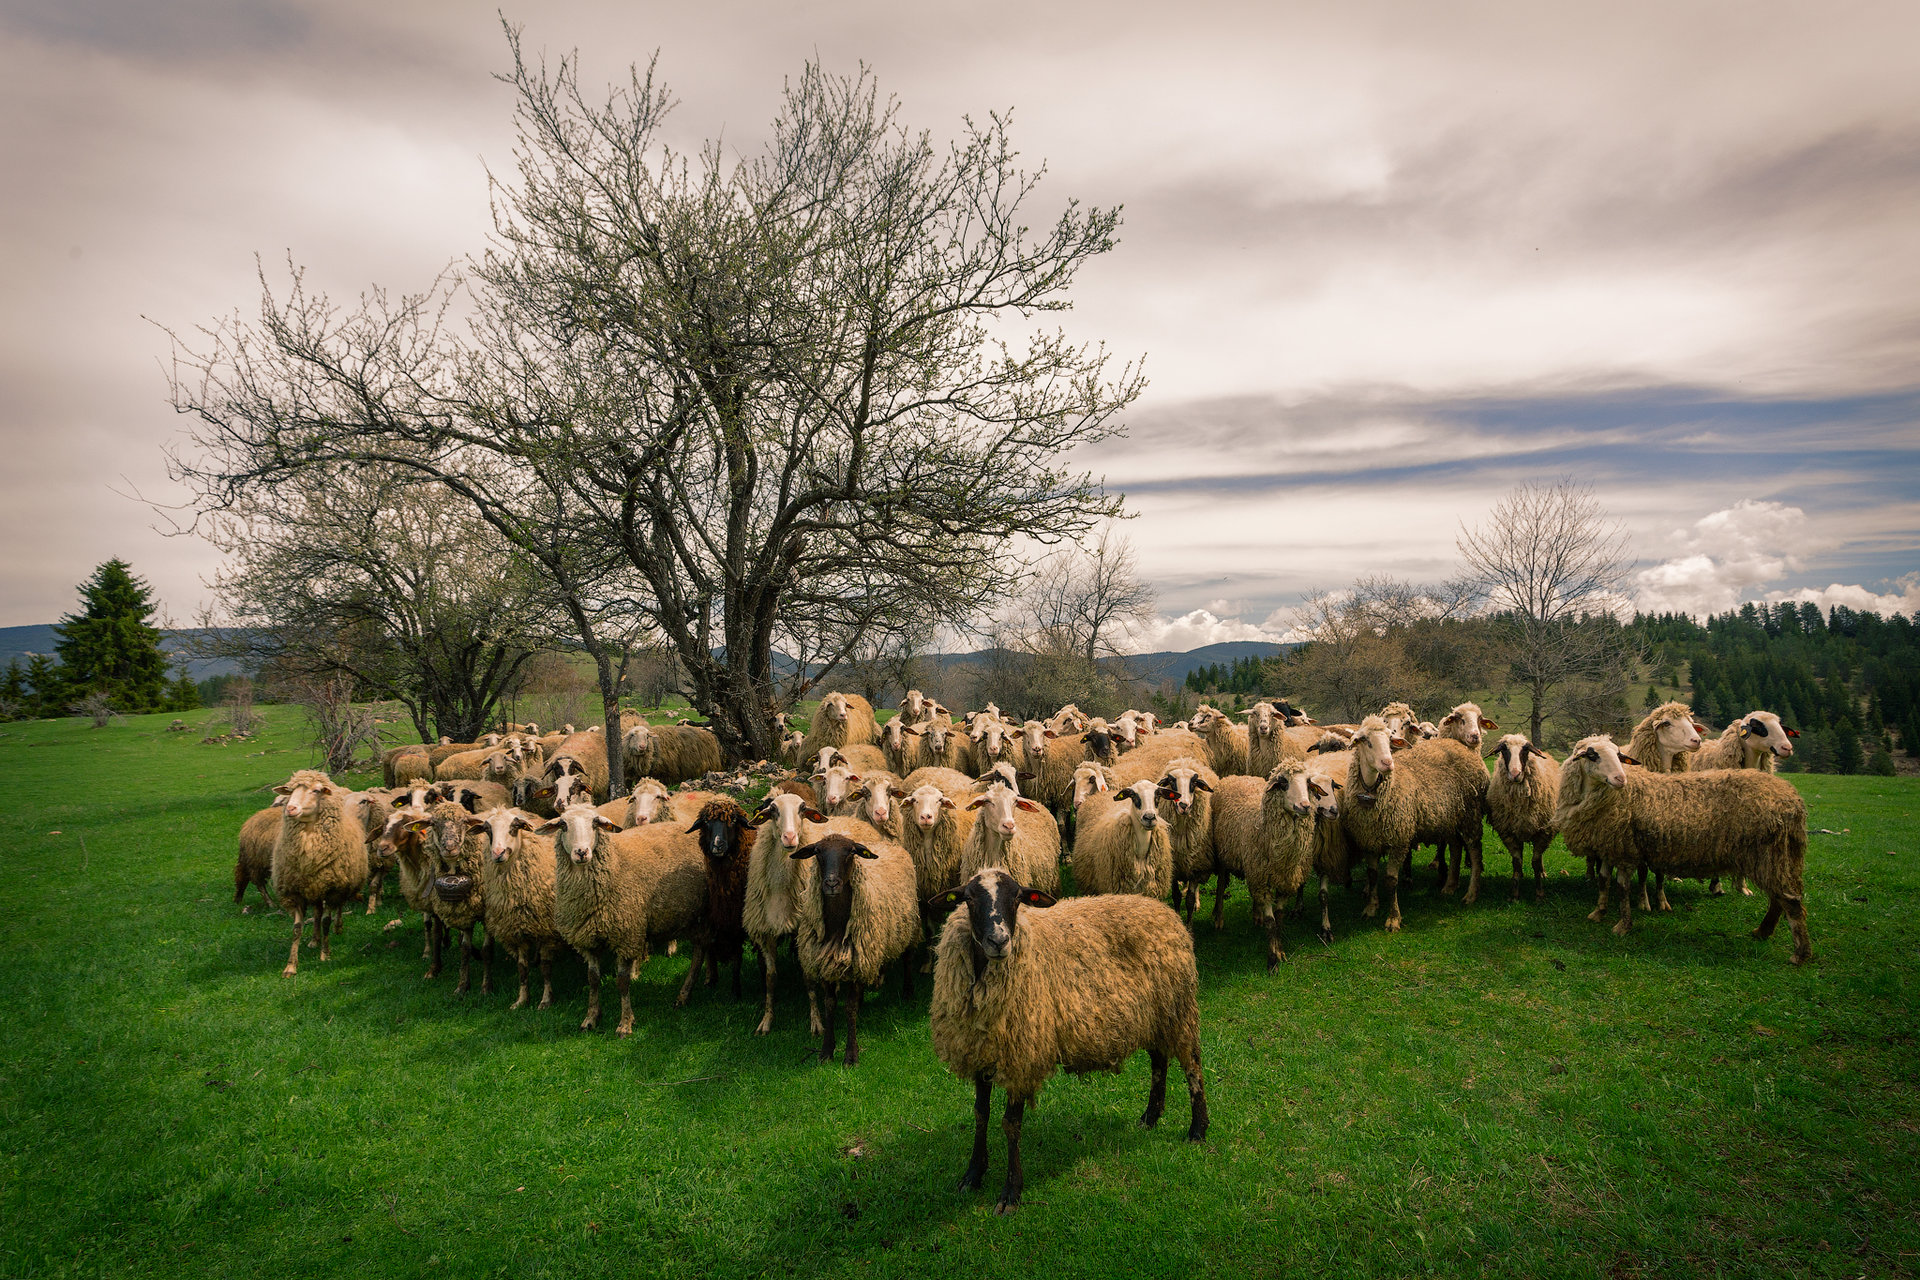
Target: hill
{"type": "Point", "coordinates": [24, 642]}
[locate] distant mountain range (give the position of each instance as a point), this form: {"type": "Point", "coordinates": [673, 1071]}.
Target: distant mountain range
{"type": "Point", "coordinates": [24, 642]}
{"type": "Point", "coordinates": [1152, 668]}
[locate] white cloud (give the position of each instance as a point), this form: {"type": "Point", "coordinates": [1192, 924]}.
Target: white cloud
{"type": "Point", "coordinates": [1727, 554]}
{"type": "Point", "coordinates": [1906, 599]}
{"type": "Point", "coordinates": [1195, 630]}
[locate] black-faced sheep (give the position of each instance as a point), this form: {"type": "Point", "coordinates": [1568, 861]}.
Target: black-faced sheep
{"type": "Point", "coordinates": [1025, 986]}
{"type": "Point", "coordinates": [860, 916]}
{"type": "Point", "coordinates": [725, 834]}
{"type": "Point", "coordinates": [319, 857]}
{"type": "Point", "coordinates": [1715, 821]}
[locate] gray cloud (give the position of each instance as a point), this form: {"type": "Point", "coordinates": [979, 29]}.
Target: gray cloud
{"type": "Point", "coordinates": [1386, 259]}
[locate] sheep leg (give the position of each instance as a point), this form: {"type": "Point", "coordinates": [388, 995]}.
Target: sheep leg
{"type": "Point", "coordinates": [833, 1016]}
{"type": "Point", "coordinates": [1220, 900]}
{"type": "Point", "coordinates": [467, 952]}
{"type": "Point", "coordinates": [1517, 850]}
{"type": "Point", "coordinates": [982, 1113]}
{"type": "Point", "coordinates": [546, 976]}
{"type": "Point", "coordinates": [623, 982]}
{"type": "Point", "coordinates": [766, 975]}
{"type": "Point", "coordinates": [486, 966]}
{"type": "Point", "coordinates": [375, 881]}
{"type": "Point", "coordinates": [1740, 883]}
{"type": "Point", "coordinates": [1713, 888]}
{"type": "Point", "coordinates": [1392, 878]}
{"type": "Point", "coordinates": [1016, 1176]}
{"type": "Point", "coordinates": [815, 1023]}
{"type": "Point", "coordinates": [1373, 887]}
{"type": "Point", "coordinates": [713, 969]}
{"type": "Point", "coordinates": [320, 932]}
{"type": "Point", "coordinates": [1660, 891]}
{"type": "Point", "coordinates": [436, 943]}
{"type": "Point", "coordinates": [1625, 922]}
{"type": "Point", "coordinates": [1157, 1093]}
{"type": "Point", "coordinates": [293, 957]}
{"type": "Point", "coordinates": [856, 994]}
{"type": "Point", "coordinates": [1599, 913]}
{"type": "Point", "coordinates": [240, 882]}
{"type": "Point", "coordinates": [520, 961]}
{"type": "Point", "coordinates": [1275, 920]}
{"type": "Point", "coordinates": [1476, 860]}
{"type": "Point", "coordinates": [1196, 1090]}
{"type": "Point", "coordinates": [592, 1019]}
{"type": "Point", "coordinates": [1326, 920]}
{"type": "Point", "coordinates": [700, 955]}
{"type": "Point", "coordinates": [1645, 903]}
{"type": "Point", "coordinates": [906, 976]}
{"type": "Point", "coordinates": [1797, 921]}
{"type": "Point", "coordinates": [1450, 853]}
{"type": "Point", "coordinates": [1539, 871]}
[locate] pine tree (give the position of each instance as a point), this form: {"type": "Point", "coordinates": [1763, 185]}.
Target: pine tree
{"type": "Point", "coordinates": [44, 676]}
{"type": "Point", "coordinates": [1882, 763]}
{"type": "Point", "coordinates": [108, 647]}
{"type": "Point", "coordinates": [182, 693]}
{"type": "Point", "coordinates": [1847, 755]}
{"type": "Point", "coordinates": [1653, 698]}
{"type": "Point", "coordinates": [1910, 736]}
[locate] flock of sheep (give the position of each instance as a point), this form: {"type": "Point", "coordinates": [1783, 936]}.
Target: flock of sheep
{"type": "Point", "coordinates": [948, 838]}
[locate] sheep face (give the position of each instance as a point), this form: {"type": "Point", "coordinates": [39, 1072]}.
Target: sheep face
{"type": "Point", "coordinates": [1099, 739]}
{"type": "Point", "coordinates": [723, 830]}
{"type": "Point", "coordinates": [1763, 729]}
{"type": "Point", "coordinates": [1373, 749]}
{"type": "Point", "coordinates": [787, 809]}
{"type": "Point", "coordinates": [833, 857]}
{"type": "Point", "coordinates": [836, 784]}
{"type": "Point", "coordinates": [307, 795]}
{"type": "Point", "coordinates": [647, 801]}
{"type": "Point", "coordinates": [402, 825]}
{"type": "Point", "coordinates": [575, 830]}
{"type": "Point", "coordinates": [503, 827]}
{"type": "Point", "coordinates": [914, 705]}
{"type": "Point", "coordinates": [1001, 802]}
{"type": "Point", "coordinates": [638, 739]}
{"type": "Point", "coordinates": [835, 707]}
{"type": "Point", "coordinates": [1263, 720]}
{"type": "Point", "coordinates": [1598, 758]}
{"type": "Point", "coordinates": [570, 789]}
{"type": "Point", "coordinates": [992, 735]}
{"type": "Point", "coordinates": [1511, 754]}
{"type": "Point", "coordinates": [1291, 778]}
{"type": "Point", "coordinates": [1466, 724]}
{"type": "Point", "coordinates": [825, 758]}
{"type": "Point", "coordinates": [924, 804]}
{"type": "Point", "coordinates": [1088, 779]}
{"type": "Point", "coordinates": [879, 793]}
{"type": "Point", "coordinates": [1035, 735]}
{"type": "Point", "coordinates": [1325, 793]}
{"type": "Point", "coordinates": [1127, 729]}
{"type": "Point", "coordinates": [1144, 796]}
{"type": "Point", "coordinates": [414, 797]}
{"type": "Point", "coordinates": [937, 735]}
{"type": "Point", "coordinates": [993, 900]}
{"type": "Point", "coordinates": [1179, 784]}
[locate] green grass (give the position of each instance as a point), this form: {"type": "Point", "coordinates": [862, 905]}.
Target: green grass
{"type": "Point", "coordinates": [1499, 1090]}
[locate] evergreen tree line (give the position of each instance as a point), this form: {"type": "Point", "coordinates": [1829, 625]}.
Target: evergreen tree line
{"type": "Point", "coordinates": [1848, 681]}
{"type": "Point", "coordinates": [106, 650]}
{"type": "Point", "coordinates": [1242, 675]}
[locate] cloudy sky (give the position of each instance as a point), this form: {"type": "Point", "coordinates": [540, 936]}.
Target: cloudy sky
{"type": "Point", "coordinates": [1385, 261]}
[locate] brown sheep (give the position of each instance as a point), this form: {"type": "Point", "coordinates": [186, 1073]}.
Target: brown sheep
{"type": "Point", "coordinates": [1520, 804]}
{"type": "Point", "coordinates": [319, 858]}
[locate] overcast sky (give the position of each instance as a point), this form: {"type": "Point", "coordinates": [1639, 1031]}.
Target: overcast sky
{"type": "Point", "coordinates": [1384, 261]}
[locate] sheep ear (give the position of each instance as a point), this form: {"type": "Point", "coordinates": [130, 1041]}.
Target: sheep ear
{"type": "Point", "coordinates": [1313, 786]}
{"type": "Point", "coordinates": [1200, 784]}
{"type": "Point", "coordinates": [476, 824]}
{"type": "Point", "coordinates": [1023, 775]}
{"type": "Point", "coordinates": [1028, 805]}
{"type": "Point", "coordinates": [861, 851]}
{"type": "Point", "coordinates": [945, 898]}
{"type": "Point", "coordinates": [696, 828]}
{"type": "Point", "coordinates": [1397, 742]}
{"type": "Point", "coordinates": [1791, 733]}
{"type": "Point", "coordinates": [1627, 759]}
{"type": "Point", "coordinates": [398, 802]}
{"type": "Point", "coordinates": [976, 802]}
{"type": "Point", "coordinates": [946, 802]}
{"type": "Point", "coordinates": [812, 814]}
{"type": "Point", "coordinates": [1488, 723]}
{"type": "Point", "coordinates": [802, 854]}
{"type": "Point", "coordinates": [898, 793]}
{"type": "Point", "coordinates": [1036, 898]}
{"type": "Point", "coordinates": [284, 789]}
{"type": "Point", "coordinates": [605, 823]}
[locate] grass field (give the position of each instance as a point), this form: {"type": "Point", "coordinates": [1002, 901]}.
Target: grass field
{"type": "Point", "coordinates": [1500, 1090]}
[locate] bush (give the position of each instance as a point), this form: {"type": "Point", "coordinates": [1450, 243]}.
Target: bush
{"type": "Point", "coordinates": [1882, 763]}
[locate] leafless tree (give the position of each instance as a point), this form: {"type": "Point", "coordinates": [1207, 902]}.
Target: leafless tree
{"type": "Point", "coordinates": [1547, 558]}
{"type": "Point", "coordinates": [370, 571]}
{"type": "Point", "coordinates": [1383, 640]}
{"type": "Point", "coordinates": [340, 726]}
{"type": "Point", "coordinates": [236, 703]}
{"type": "Point", "coordinates": [777, 394]}
{"type": "Point", "coordinates": [1090, 598]}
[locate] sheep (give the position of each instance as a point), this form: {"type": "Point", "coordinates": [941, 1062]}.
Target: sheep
{"type": "Point", "coordinates": [647, 801]}
{"type": "Point", "coordinates": [467, 764]}
{"type": "Point", "coordinates": [951, 781]}
{"type": "Point", "coordinates": [1665, 738]}
{"type": "Point", "coordinates": [402, 841]}
{"type": "Point", "coordinates": [587, 753]}
{"type": "Point", "coordinates": [458, 897]}
{"type": "Point", "coordinates": [625, 891]}
{"type": "Point", "coordinates": [394, 759]}
{"type": "Point", "coordinates": [472, 795]}
{"type": "Point", "coordinates": [917, 708]}
{"type": "Point", "coordinates": [1398, 715]}
{"type": "Point", "coordinates": [993, 742]}
{"type": "Point", "coordinates": [1121, 845]}
{"type": "Point", "coordinates": [254, 866]}
{"type": "Point", "coordinates": [1081, 984]}
{"type": "Point", "coordinates": [792, 750]}
{"type": "Point", "coordinates": [671, 753]}
{"type": "Point", "coordinates": [1227, 743]}
{"type": "Point", "coordinates": [1263, 832]}
{"type": "Point", "coordinates": [1332, 855]}
{"type": "Point", "coordinates": [1090, 777]}
{"type": "Point", "coordinates": [517, 876]}
{"type": "Point", "coordinates": [1061, 756]}
{"type": "Point", "coordinates": [859, 916]}
{"type": "Point", "coordinates": [1004, 774]}
{"type": "Point", "coordinates": [1433, 792]}
{"type": "Point", "coordinates": [1520, 803]}
{"type": "Point", "coordinates": [900, 743]}
{"type": "Point", "coordinates": [843, 720]}
{"type": "Point", "coordinates": [439, 752]}
{"type": "Point", "coordinates": [1267, 740]}
{"type": "Point", "coordinates": [1465, 724]}
{"type": "Point", "coordinates": [1150, 759]}
{"type": "Point", "coordinates": [1720, 820]}
{"type": "Point", "coordinates": [1755, 741]}
{"type": "Point", "coordinates": [859, 759]}
{"type": "Point", "coordinates": [1015, 833]}
{"type": "Point", "coordinates": [1186, 803]}
{"type": "Point", "coordinates": [934, 828]}
{"type": "Point", "coordinates": [943, 746]}
{"type": "Point", "coordinates": [872, 799]}
{"type": "Point", "coordinates": [319, 857]}
{"type": "Point", "coordinates": [725, 834]}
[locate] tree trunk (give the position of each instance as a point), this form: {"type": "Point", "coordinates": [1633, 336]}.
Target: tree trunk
{"type": "Point", "coordinates": [1539, 697]}
{"type": "Point", "coordinates": [610, 706]}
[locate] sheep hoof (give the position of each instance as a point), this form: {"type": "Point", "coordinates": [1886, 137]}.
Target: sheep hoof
{"type": "Point", "coordinates": [1596, 915]}
{"type": "Point", "coordinates": [289, 971]}
{"type": "Point", "coordinates": [246, 910]}
{"type": "Point", "coordinates": [1801, 957]}
{"type": "Point", "coordinates": [589, 1023]}
{"type": "Point", "coordinates": [624, 1030]}
{"type": "Point", "coordinates": [766, 1025]}
{"type": "Point", "coordinates": [970, 1181]}
{"type": "Point", "coordinates": [521, 1003]}
{"type": "Point", "coordinates": [1472, 897]}
{"type": "Point", "coordinates": [1745, 891]}
{"type": "Point", "coordinates": [1004, 1206]}
{"type": "Point", "coordinates": [1393, 924]}
{"type": "Point", "coordinates": [1367, 912]}
{"type": "Point", "coordinates": [1325, 936]}
{"type": "Point", "coordinates": [1540, 894]}
{"type": "Point", "coordinates": [1620, 930]}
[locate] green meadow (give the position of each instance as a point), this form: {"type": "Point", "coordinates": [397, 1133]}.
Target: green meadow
{"type": "Point", "coordinates": [1502, 1089]}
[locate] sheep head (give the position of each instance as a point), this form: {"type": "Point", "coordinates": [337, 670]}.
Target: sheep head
{"type": "Point", "coordinates": [993, 900]}
{"type": "Point", "coordinates": [576, 830]}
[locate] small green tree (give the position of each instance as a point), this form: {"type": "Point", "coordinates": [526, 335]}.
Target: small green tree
{"type": "Point", "coordinates": [1882, 763]}
{"type": "Point", "coordinates": [108, 647]}
{"type": "Point", "coordinates": [1847, 755]}
{"type": "Point", "coordinates": [1653, 698]}
{"type": "Point", "coordinates": [183, 694]}
{"type": "Point", "coordinates": [44, 676]}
